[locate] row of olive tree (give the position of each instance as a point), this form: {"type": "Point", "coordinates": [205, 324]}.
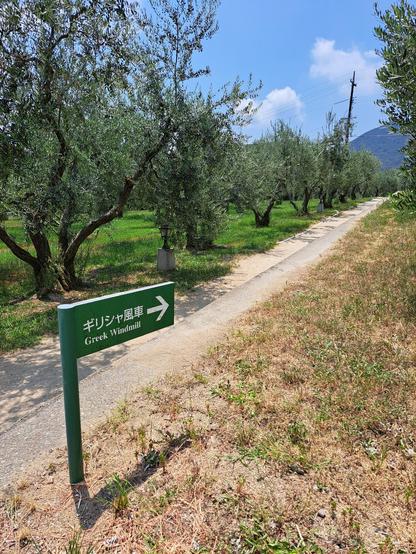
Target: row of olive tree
{"type": "Point", "coordinates": [285, 164]}
{"type": "Point", "coordinates": [95, 102]}
{"type": "Point", "coordinates": [96, 110]}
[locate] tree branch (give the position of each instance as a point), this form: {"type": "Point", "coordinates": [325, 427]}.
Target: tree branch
{"type": "Point", "coordinates": [118, 208]}
{"type": "Point", "coordinates": [17, 250]}
{"type": "Point", "coordinates": [115, 211]}
{"type": "Point", "coordinates": [72, 20]}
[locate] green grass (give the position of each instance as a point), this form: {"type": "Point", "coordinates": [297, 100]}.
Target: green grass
{"type": "Point", "coordinates": [122, 256]}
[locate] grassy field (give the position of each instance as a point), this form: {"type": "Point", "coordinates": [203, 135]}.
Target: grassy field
{"type": "Point", "coordinates": [316, 453]}
{"type": "Point", "coordinates": [122, 256]}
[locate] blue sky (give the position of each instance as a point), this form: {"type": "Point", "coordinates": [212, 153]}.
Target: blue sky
{"type": "Point", "coordinates": [304, 52]}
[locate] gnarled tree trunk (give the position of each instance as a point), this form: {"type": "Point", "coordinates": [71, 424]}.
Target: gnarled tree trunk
{"type": "Point", "coordinates": [263, 219]}
{"type": "Point", "coordinates": [305, 201]}
{"type": "Point", "coordinates": [328, 200]}
{"type": "Point", "coordinates": [191, 237]}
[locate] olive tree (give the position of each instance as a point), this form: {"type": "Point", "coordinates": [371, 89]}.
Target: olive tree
{"type": "Point", "coordinates": [397, 76]}
{"type": "Point", "coordinates": [304, 184]}
{"type": "Point", "coordinates": [61, 61]}
{"type": "Point", "coordinates": [91, 92]}
{"type": "Point", "coordinates": [255, 184]}
{"type": "Point", "coordinates": [388, 182]}
{"type": "Point", "coordinates": [191, 179]}
{"type": "Point", "coordinates": [360, 174]}
{"type": "Point", "coordinates": [282, 164]}
{"type": "Point", "coordinates": [332, 158]}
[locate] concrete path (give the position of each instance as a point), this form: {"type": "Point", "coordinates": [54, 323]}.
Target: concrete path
{"type": "Point", "coordinates": [31, 404]}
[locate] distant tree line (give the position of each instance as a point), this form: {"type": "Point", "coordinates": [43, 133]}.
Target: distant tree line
{"type": "Point", "coordinates": [287, 165]}
{"type": "Point", "coordinates": [97, 113]}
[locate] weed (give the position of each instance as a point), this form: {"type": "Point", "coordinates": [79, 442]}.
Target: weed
{"type": "Point", "coordinates": [190, 431]}
{"type": "Point", "coordinates": [371, 370]}
{"type": "Point", "coordinates": [244, 435]}
{"type": "Point", "coordinates": [353, 524]}
{"type": "Point", "coordinates": [119, 415]}
{"type": "Point", "coordinates": [243, 395]}
{"type": "Point", "coordinates": [12, 505]}
{"type": "Point", "coordinates": [151, 392]}
{"type": "Point", "coordinates": [119, 489]}
{"type": "Point", "coordinates": [51, 469]}
{"type": "Point", "coordinates": [257, 538]}
{"type": "Point", "coordinates": [74, 545]}
{"type": "Point", "coordinates": [142, 438]}
{"type": "Point", "coordinates": [297, 432]}
{"type": "Point", "coordinates": [152, 544]}
{"type": "Point", "coordinates": [200, 378]}
{"type": "Point", "coordinates": [244, 367]}
{"type": "Point", "coordinates": [24, 536]}
{"type": "Point", "coordinates": [151, 459]}
{"type": "Point", "coordinates": [167, 497]}
{"type": "Point", "coordinates": [410, 491]}
{"type": "Point", "coordinates": [22, 485]}
{"type": "Point", "coordinates": [293, 376]}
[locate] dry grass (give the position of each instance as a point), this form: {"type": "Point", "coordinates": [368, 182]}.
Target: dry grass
{"type": "Point", "coordinates": [295, 435]}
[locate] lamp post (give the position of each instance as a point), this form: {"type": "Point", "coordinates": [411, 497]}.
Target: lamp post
{"type": "Point", "coordinates": [165, 255]}
{"type": "Point", "coordinates": [164, 233]}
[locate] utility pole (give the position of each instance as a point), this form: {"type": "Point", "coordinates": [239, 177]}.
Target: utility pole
{"type": "Point", "coordinates": [353, 85]}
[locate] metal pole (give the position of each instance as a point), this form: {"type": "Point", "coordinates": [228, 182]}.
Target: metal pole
{"type": "Point", "coordinates": [71, 393]}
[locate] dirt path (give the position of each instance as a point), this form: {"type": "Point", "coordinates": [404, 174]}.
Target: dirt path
{"type": "Point", "coordinates": [30, 380]}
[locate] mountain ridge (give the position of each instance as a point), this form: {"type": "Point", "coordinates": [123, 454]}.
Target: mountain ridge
{"type": "Point", "coordinates": [384, 144]}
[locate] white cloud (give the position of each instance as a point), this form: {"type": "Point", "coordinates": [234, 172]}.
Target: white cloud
{"type": "Point", "coordinates": [336, 65]}
{"type": "Point", "coordinates": [279, 103]}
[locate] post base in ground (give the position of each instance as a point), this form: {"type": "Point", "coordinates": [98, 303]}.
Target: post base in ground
{"type": "Point", "coordinates": [166, 259]}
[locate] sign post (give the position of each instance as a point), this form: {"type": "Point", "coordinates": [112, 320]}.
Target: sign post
{"type": "Point", "coordinates": [92, 325]}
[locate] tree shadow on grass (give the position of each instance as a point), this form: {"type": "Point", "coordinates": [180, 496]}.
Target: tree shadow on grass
{"type": "Point", "coordinates": [90, 509]}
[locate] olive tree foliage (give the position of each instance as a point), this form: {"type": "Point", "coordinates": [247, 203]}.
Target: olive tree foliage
{"type": "Point", "coordinates": [282, 164]}
{"type": "Point", "coordinates": [295, 163]}
{"type": "Point", "coordinates": [254, 180]}
{"type": "Point", "coordinates": [389, 182]}
{"type": "Point", "coordinates": [333, 154]}
{"type": "Point", "coordinates": [397, 76]}
{"type": "Point", "coordinates": [91, 92]}
{"type": "Point", "coordinates": [304, 184]}
{"type": "Point", "coordinates": [361, 175]}
{"type": "Point", "coordinates": [62, 65]}
{"type": "Point", "coordinates": [192, 177]}
{"type": "Point", "coordinates": [188, 179]}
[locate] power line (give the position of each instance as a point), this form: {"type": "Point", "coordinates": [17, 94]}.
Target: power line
{"type": "Point", "coordinates": [288, 106]}
{"type": "Point", "coordinates": [310, 94]}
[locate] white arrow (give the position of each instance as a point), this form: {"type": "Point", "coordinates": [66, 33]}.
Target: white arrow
{"type": "Point", "coordinates": [163, 306]}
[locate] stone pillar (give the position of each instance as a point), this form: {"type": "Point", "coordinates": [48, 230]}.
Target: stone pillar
{"type": "Point", "coordinates": [165, 259]}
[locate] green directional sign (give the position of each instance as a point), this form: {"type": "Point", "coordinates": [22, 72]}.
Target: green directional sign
{"type": "Point", "coordinates": [103, 322]}
{"type": "Point", "coordinates": [92, 325]}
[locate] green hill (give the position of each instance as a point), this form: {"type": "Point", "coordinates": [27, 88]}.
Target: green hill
{"type": "Point", "coordinates": [384, 144]}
